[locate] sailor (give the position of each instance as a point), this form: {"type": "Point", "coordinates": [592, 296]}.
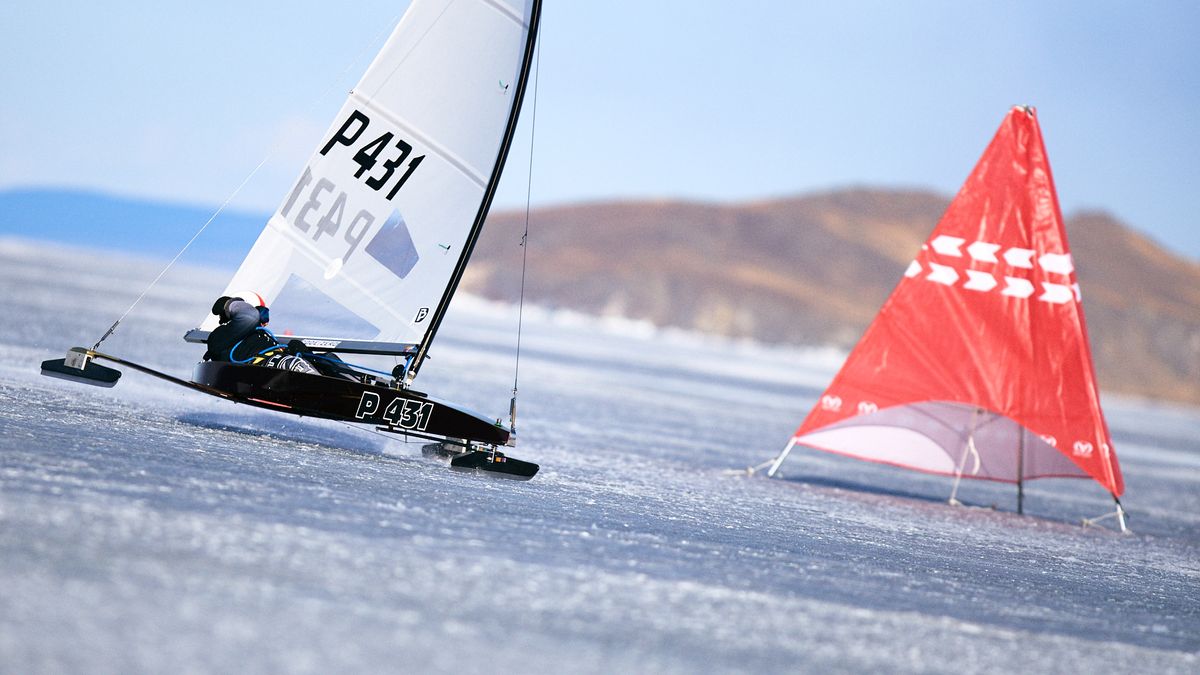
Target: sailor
{"type": "Point", "coordinates": [242, 334]}
{"type": "Point", "coordinates": [243, 337]}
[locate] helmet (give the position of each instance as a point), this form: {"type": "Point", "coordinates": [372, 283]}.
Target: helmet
{"type": "Point", "coordinates": [250, 297]}
{"type": "Point", "coordinates": [264, 314]}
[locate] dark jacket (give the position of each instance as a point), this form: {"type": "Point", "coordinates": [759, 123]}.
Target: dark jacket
{"type": "Point", "coordinates": [239, 337]}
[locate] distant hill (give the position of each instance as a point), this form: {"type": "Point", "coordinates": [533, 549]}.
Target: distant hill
{"type": "Point", "coordinates": [816, 269]}
{"type": "Point", "coordinates": [131, 225]}
{"type": "Point", "coordinates": [804, 270]}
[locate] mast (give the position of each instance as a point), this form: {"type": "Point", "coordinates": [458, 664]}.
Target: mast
{"type": "Point", "coordinates": [489, 193]}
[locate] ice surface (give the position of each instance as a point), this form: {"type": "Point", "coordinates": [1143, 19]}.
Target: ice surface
{"type": "Point", "coordinates": [151, 529]}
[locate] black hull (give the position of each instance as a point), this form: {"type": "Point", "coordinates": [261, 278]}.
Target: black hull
{"type": "Point", "coordinates": [396, 410]}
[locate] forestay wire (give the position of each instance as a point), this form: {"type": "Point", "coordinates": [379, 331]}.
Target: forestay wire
{"type": "Point", "coordinates": [203, 227]}
{"type": "Point", "coordinates": [525, 236]}
{"type": "Point", "coordinates": [270, 153]}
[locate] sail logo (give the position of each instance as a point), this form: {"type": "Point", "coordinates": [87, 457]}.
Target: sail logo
{"type": "Point", "coordinates": [421, 314]}
{"type": "Point", "coordinates": [1082, 449]}
{"type": "Point", "coordinates": [867, 407]}
{"type": "Point", "coordinates": [1050, 440]}
{"type": "Point", "coordinates": [987, 253]}
{"type": "Point", "coordinates": [392, 246]}
{"type": "Point", "coordinates": [831, 403]}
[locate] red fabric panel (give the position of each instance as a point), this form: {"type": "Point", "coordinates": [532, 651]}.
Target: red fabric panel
{"type": "Point", "coordinates": [989, 314]}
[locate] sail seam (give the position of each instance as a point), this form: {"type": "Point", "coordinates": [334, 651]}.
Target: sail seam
{"type": "Point", "coordinates": [508, 11]}
{"type": "Point", "coordinates": [440, 150]}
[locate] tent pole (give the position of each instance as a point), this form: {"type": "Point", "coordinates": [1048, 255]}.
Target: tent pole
{"type": "Point", "coordinates": [1120, 515]}
{"type": "Point", "coordinates": [953, 501]}
{"type": "Point", "coordinates": [1021, 471]}
{"type": "Point", "coordinates": [967, 449]}
{"type": "Point", "coordinates": [782, 456]}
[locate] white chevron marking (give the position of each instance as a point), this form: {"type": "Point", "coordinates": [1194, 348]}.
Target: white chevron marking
{"type": "Point", "coordinates": [1017, 287]}
{"type": "Point", "coordinates": [983, 251]}
{"type": "Point", "coordinates": [947, 245]}
{"type": "Point", "coordinates": [1056, 293]}
{"type": "Point", "coordinates": [1058, 263]}
{"type": "Point", "coordinates": [980, 281]}
{"type": "Point", "coordinates": [914, 268]}
{"type": "Point", "coordinates": [942, 274]}
{"type": "Point", "coordinates": [1019, 257]}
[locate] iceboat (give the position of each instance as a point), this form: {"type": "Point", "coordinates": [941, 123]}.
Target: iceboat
{"type": "Point", "coordinates": [367, 248]}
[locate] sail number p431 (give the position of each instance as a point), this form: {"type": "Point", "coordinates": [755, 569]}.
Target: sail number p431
{"type": "Point", "coordinates": [405, 413]}
{"type": "Point", "coordinates": [393, 151]}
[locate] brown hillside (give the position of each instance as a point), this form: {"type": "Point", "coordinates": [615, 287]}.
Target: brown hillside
{"type": "Point", "coordinates": [815, 269]}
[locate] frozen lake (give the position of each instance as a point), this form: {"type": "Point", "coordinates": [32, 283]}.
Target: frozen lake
{"type": "Point", "coordinates": [152, 529]}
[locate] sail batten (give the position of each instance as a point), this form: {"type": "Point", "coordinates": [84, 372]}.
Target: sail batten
{"type": "Point", "coordinates": [445, 153]}
{"type": "Point", "coordinates": [508, 11]}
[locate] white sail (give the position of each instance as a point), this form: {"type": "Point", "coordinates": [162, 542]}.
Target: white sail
{"type": "Point", "coordinates": [368, 241]}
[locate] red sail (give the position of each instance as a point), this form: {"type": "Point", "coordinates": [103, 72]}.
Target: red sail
{"type": "Point", "coordinates": [978, 364]}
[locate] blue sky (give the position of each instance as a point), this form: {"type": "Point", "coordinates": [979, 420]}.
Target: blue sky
{"type": "Point", "coordinates": [723, 102]}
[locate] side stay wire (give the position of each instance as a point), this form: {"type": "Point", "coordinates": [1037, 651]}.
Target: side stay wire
{"type": "Point", "coordinates": [525, 235]}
